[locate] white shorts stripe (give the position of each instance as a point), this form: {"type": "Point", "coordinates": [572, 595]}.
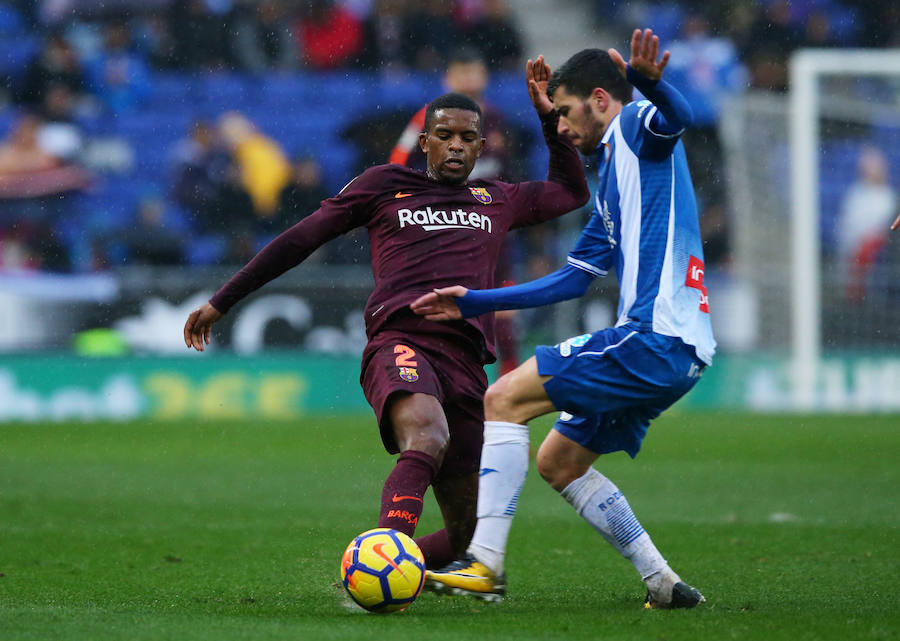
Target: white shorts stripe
{"type": "Point", "coordinates": [607, 348]}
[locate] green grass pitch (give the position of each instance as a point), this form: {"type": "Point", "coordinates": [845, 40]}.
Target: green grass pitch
{"type": "Point", "coordinates": [788, 524]}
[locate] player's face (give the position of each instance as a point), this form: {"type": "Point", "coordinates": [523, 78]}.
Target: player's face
{"type": "Point", "coordinates": [578, 121]}
{"type": "Point", "coordinates": [452, 145]}
{"type": "Point", "coordinates": [469, 78]}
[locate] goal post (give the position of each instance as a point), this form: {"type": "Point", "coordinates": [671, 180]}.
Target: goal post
{"type": "Point", "coordinates": [807, 68]}
{"type": "Point", "coordinates": [808, 307]}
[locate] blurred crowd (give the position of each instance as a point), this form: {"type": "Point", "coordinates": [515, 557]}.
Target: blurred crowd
{"type": "Point", "coordinates": [262, 35]}
{"type": "Point", "coordinates": [68, 65]}
{"type": "Point", "coordinates": [74, 70]}
{"type": "Point", "coordinates": [760, 33]}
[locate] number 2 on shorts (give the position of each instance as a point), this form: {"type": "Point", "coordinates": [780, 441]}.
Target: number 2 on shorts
{"type": "Point", "coordinates": [404, 356]}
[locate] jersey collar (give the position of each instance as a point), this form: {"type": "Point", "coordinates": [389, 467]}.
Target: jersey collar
{"type": "Point", "coordinates": [604, 142]}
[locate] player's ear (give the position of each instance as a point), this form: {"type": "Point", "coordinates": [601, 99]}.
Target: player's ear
{"type": "Point", "coordinates": [483, 142]}
{"type": "Point", "coordinates": [423, 142]}
{"type": "Point", "coordinates": [600, 98]}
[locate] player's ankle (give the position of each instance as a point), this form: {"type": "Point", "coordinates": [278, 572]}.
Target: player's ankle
{"type": "Point", "coordinates": [491, 559]}
{"type": "Point", "coordinates": [662, 579]}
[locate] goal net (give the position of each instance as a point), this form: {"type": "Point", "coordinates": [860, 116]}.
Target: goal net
{"type": "Point", "coordinates": [814, 184]}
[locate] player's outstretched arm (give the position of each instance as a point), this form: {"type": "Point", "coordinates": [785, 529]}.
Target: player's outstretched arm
{"type": "Point", "coordinates": [198, 326]}
{"type": "Point", "coordinates": [896, 224]}
{"type": "Point", "coordinates": [334, 217]}
{"type": "Point", "coordinates": [456, 302]}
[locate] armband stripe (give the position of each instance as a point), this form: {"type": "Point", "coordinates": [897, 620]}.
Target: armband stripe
{"type": "Point", "coordinates": [649, 117]}
{"type": "Point", "coordinates": [585, 267]}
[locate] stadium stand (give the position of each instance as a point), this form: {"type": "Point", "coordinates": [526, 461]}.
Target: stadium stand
{"type": "Point", "coordinates": [310, 112]}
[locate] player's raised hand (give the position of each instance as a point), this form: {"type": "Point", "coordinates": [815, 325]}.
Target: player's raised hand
{"type": "Point", "coordinates": [644, 53]}
{"type": "Point", "coordinates": [440, 305]}
{"type": "Point", "coordinates": [198, 326]}
{"type": "Point", "coordinates": [537, 75]}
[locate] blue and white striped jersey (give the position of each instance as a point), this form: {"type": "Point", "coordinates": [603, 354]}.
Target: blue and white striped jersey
{"type": "Point", "coordinates": [645, 225]}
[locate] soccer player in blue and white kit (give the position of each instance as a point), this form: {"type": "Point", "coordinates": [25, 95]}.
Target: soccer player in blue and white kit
{"type": "Point", "coordinates": [609, 384]}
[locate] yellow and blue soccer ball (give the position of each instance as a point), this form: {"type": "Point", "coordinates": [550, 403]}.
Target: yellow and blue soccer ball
{"type": "Point", "coordinates": [383, 570]}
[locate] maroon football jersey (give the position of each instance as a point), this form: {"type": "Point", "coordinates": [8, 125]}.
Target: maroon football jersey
{"type": "Point", "coordinates": [423, 234]}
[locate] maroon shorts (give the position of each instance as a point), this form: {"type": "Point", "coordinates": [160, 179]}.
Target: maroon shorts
{"type": "Point", "coordinates": [396, 362]}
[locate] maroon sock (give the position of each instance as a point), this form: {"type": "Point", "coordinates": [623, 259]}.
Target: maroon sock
{"type": "Point", "coordinates": [404, 491]}
{"type": "Point", "coordinates": [437, 549]}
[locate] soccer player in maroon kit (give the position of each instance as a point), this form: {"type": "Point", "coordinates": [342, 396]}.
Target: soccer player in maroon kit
{"type": "Point", "coordinates": [467, 73]}
{"type": "Point", "coordinates": [425, 380]}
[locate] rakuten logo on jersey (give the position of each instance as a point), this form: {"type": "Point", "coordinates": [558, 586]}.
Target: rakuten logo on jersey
{"type": "Point", "coordinates": [433, 220]}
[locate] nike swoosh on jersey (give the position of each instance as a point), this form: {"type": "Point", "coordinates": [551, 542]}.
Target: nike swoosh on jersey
{"type": "Point", "coordinates": [400, 194]}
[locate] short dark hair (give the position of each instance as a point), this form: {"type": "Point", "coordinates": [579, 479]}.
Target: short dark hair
{"type": "Point", "coordinates": [451, 101]}
{"type": "Point", "coordinates": [586, 70]}
{"type": "Point", "coordinates": [465, 55]}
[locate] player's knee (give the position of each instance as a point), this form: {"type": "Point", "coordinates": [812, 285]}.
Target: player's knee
{"type": "Point", "coordinates": [431, 438]}
{"type": "Point", "coordinates": [498, 403]}
{"type": "Point", "coordinates": [421, 427]}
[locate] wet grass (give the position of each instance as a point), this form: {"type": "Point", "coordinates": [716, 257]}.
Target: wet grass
{"type": "Point", "coordinates": [788, 524]}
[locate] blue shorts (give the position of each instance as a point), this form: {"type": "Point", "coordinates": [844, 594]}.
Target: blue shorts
{"type": "Point", "coordinates": [612, 383]}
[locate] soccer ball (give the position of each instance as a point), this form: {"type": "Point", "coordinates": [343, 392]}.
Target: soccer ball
{"type": "Point", "coordinates": [383, 570]}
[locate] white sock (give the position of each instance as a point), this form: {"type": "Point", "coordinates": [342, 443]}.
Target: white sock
{"type": "Point", "coordinates": [600, 503]}
{"type": "Point", "coordinates": [504, 466]}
